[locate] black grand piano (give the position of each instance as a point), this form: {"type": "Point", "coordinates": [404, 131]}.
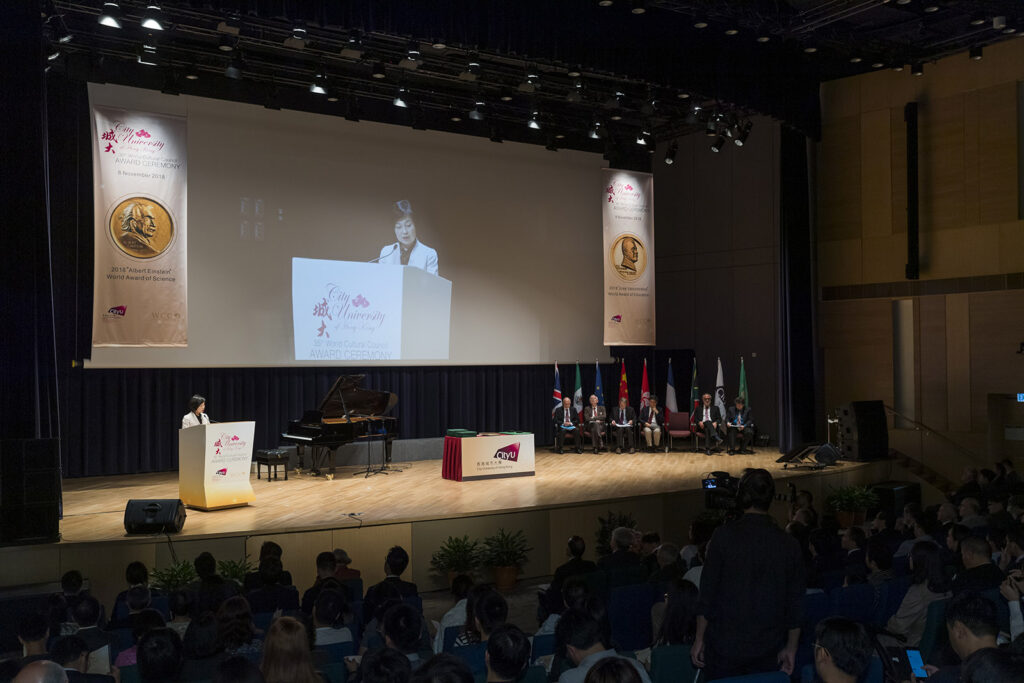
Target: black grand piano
{"type": "Point", "coordinates": [347, 414]}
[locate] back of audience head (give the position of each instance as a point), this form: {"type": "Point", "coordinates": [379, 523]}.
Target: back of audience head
{"type": "Point", "coordinates": [396, 561]}
{"type": "Point", "coordinates": [579, 631]}
{"type": "Point", "coordinates": [33, 628]}
{"type": "Point", "coordinates": [575, 592]}
{"type": "Point", "coordinates": [385, 665]}
{"type": "Point", "coordinates": [159, 656]}
{"type": "Point", "coordinates": [443, 668]}
{"type": "Point", "coordinates": [956, 534]}
{"type": "Point", "coordinates": [854, 538]}
{"type": "Point", "coordinates": [461, 586]}
{"type": "Point", "coordinates": [925, 523]}
{"type": "Point", "coordinates": [804, 517]}
{"type": "Point", "coordinates": [234, 623]}
{"type": "Point", "coordinates": [491, 609]}
{"type": "Point", "coordinates": [508, 652]}
{"type": "Point", "coordinates": [180, 603]}
{"type": "Point", "coordinates": [146, 621]}
{"type": "Point", "coordinates": [883, 520]}
{"type": "Point", "coordinates": [650, 541]}
{"type": "Point", "coordinates": [286, 654]}
{"type": "Point", "coordinates": [668, 554]}
{"type": "Point", "coordinates": [1015, 536]}
{"type": "Point", "coordinates": [622, 539]}
{"type": "Point", "coordinates": [402, 627]}
{"type": "Point", "coordinates": [205, 565]}
{"type": "Point", "coordinates": [71, 652]}
{"type": "Point", "coordinates": [972, 621]}
{"type": "Point", "coordinates": [342, 557]}
{"type": "Point", "coordinates": [326, 564]}
{"type": "Point", "coordinates": [877, 555]}
{"type": "Point", "coordinates": [842, 644]}
{"type": "Point", "coordinates": [136, 574]}
{"type": "Point", "coordinates": [612, 670]}
{"type": "Point", "coordinates": [87, 612]}
{"type": "Point", "coordinates": [330, 608]}
{"type": "Point", "coordinates": [993, 665]}
{"type": "Point", "coordinates": [42, 672]}
{"type": "Point", "coordinates": [271, 570]}
{"type": "Point", "coordinates": [238, 669]}
{"type": "Point", "coordinates": [71, 582]}
{"type": "Point", "coordinates": [756, 490]}
{"type": "Point", "coordinates": [975, 551]}
{"type": "Point", "coordinates": [679, 624]}
{"type": "Point", "coordinates": [926, 567]}
{"type": "Point", "coordinates": [201, 638]}
{"type": "Point", "coordinates": [138, 598]}
{"type": "Point", "coordinates": [576, 546]}
{"type": "Point", "coordinates": [270, 549]}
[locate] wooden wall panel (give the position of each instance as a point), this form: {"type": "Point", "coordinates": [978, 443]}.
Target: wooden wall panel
{"type": "Point", "coordinates": [839, 179]}
{"type": "Point", "coordinates": [958, 362]}
{"type": "Point", "coordinates": [997, 141]}
{"type": "Point", "coordinates": [933, 406]}
{"type": "Point", "coordinates": [858, 341]}
{"type": "Point", "coordinates": [996, 331]}
{"type": "Point", "coordinates": [876, 173]}
{"type": "Point", "coordinates": [941, 163]}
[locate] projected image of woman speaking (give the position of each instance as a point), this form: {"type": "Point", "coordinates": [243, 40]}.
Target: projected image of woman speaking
{"type": "Point", "coordinates": [408, 251]}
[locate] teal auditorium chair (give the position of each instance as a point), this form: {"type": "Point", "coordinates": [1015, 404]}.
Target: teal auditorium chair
{"type": "Point", "coordinates": [543, 645]}
{"type": "Point", "coordinates": [532, 674]}
{"type": "Point", "coordinates": [768, 677]}
{"type": "Point", "coordinates": [672, 664]}
{"type": "Point", "coordinates": [629, 611]}
{"type": "Point", "coordinates": [875, 673]}
{"type": "Point", "coordinates": [473, 655]}
{"type": "Point", "coordinates": [856, 602]}
{"type": "Point", "coordinates": [935, 636]}
{"type": "Point", "coordinates": [335, 672]}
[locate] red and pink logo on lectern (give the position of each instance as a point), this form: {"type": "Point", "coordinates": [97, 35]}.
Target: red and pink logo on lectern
{"type": "Point", "coordinates": [510, 452]}
{"type": "Point", "coordinates": [222, 472]}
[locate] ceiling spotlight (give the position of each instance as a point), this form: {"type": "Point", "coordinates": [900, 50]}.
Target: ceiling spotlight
{"type": "Point", "coordinates": [645, 128]}
{"type": "Point", "coordinates": [641, 140]}
{"type": "Point", "coordinates": [977, 20]}
{"type": "Point", "coordinates": [931, 8]}
{"type": "Point", "coordinates": [717, 145]}
{"type": "Point", "coordinates": [454, 116]}
{"type": "Point", "coordinates": [299, 32]}
{"type": "Point", "coordinates": [855, 60]}
{"type": "Point", "coordinates": [917, 69]}
{"type": "Point", "coordinates": [191, 74]}
{"type": "Point", "coordinates": [534, 120]}
{"type": "Point", "coordinates": [439, 45]}
{"type": "Point", "coordinates": [810, 49]}
{"type": "Point", "coordinates": [399, 100]}
{"type": "Point", "coordinates": [700, 24]}
{"type": "Point", "coordinates": [234, 67]}
{"type": "Point", "coordinates": [1009, 29]}
{"type": "Point", "coordinates": [147, 55]}
{"type": "Point", "coordinates": [353, 48]}
{"type": "Point", "coordinates": [604, 3]}
{"type": "Point", "coordinates": [319, 84]}
{"type": "Point", "coordinates": [529, 85]}
{"type": "Point", "coordinates": [711, 129]}
{"type": "Point", "coordinates": [471, 70]}
{"type": "Point", "coordinates": [897, 67]}
{"type": "Point", "coordinates": [151, 18]}
{"type": "Point", "coordinates": [110, 15]}
{"type": "Point", "coordinates": [379, 71]}
{"type": "Point", "coordinates": [731, 31]}
{"type": "Point", "coordinates": [53, 51]}
{"type": "Point", "coordinates": [744, 133]}
{"type": "Point", "coordinates": [506, 96]}
{"type": "Point", "coordinates": [477, 113]}
{"type": "Point", "coordinates": [763, 39]}
{"type": "Point", "coordinates": [902, 2]}
{"type": "Point", "coordinates": [999, 23]}
{"type": "Point", "coordinates": [877, 65]}
{"type": "Point", "coordinates": [639, 7]}
{"type": "Point", "coordinates": [332, 95]}
{"type": "Point", "coordinates": [413, 53]}
{"type": "Point", "coordinates": [495, 135]}
{"type": "Point", "coordinates": [976, 53]}
{"type": "Point", "coordinates": [59, 29]}
{"type": "Point", "coordinates": [227, 43]}
{"type": "Point", "coordinates": [574, 72]}
{"type": "Point", "coordinates": [683, 95]}
{"type": "Point", "coordinates": [670, 153]}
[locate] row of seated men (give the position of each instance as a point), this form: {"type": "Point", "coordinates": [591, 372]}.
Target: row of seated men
{"type": "Point", "coordinates": [622, 421]}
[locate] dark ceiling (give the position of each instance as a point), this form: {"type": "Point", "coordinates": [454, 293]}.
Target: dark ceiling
{"type": "Point", "coordinates": [623, 71]}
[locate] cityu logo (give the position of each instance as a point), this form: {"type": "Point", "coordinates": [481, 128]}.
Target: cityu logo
{"type": "Point", "coordinates": [510, 453]}
{"type": "Point", "coordinates": [217, 443]}
{"type": "Point", "coordinates": [623, 192]}
{"type": "Point", "coordinates": [234, 437]}
{"type": "Point", "coordinates": [617, 318]}
{"type": "Point", "coordinates": [117, 310]}
{"type": "Point", "coordinates": [360, 302]}
{"type": "Point", "coordinates": [222, 472]}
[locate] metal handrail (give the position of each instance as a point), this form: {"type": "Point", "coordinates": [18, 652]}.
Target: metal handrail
{"type": "Point", "coordinates": [925, 428]}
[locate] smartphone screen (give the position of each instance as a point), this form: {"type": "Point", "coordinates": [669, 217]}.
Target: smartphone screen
{"type": "Point", "coordinates": [916, 663]}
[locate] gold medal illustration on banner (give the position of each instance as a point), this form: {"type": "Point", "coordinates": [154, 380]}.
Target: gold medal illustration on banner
{"type": "Point", "coordinates": [628, 256]}
{"type": "Point", "coordinates": [141, 227]}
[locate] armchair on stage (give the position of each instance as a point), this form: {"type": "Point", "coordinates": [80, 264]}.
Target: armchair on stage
{"type": "Point", "coordinates": [213, 465]}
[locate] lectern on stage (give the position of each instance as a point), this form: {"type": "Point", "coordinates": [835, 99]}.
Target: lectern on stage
{"type": "Point", "coordinates": [213, 465]}
{"type": "Point", "coordinates": [349, 310]}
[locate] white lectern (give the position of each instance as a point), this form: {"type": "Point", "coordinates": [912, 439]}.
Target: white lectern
{"type": "Point", "coordinates": [213, 465]}
{"type": "Point", "coordinates": [349, 310]}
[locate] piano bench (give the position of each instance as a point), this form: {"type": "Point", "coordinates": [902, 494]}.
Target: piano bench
{"type": "Point", "coordinates": [272, 459]}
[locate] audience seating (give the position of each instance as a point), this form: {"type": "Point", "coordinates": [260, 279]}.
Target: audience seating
{"type": "Point", "coordinates": [543, 645]}
{"type": "Point", "coordinates": [935, 636]}
{"type": "Point", "coordinates": [473, 655]}
{"type": "Point", "coordinates": [672, 664]}
{"type": "Point", "coordinates": [855, 602]}
{"type": "Point", "coordinates": [335, 672]}
{"type": "Point", "coordinates": [1002, 608]}
{"type": "Point", "coordinates": [450, 634]}
{"type": "Point", "coordinates": [629, 611]}
{"type": "Point", "coordinates": [767, 677]}
{"type": "Point", "coordinates": [895, 590]}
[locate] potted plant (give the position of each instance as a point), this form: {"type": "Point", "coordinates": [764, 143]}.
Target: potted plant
{"type": "Point", "coordinates": [506, 553]}
{"type": "Point", "coordinates": [175, 577]}
{"type": "Point", "coordinates": [456, 556]}
{"type": "Point", "coordinates": [605, 527]}
{"type": "Point", "coordinates": [235, 570]}
{"type": "Point", "coordinates": [851, 504]}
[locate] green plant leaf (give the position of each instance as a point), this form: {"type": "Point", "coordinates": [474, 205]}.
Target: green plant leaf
{"type": "Point", "coordinates": [459, 555]}
{"type": "Point", "coordinates": [504, 549]}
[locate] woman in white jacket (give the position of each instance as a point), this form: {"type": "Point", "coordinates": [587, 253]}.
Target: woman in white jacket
{"type": "Point", "coordinates": [196, 414]}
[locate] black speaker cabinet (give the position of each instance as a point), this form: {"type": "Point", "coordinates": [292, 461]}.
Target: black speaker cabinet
{"type": "Point", "coordinates": [864, 431]}
{"type": "Point", "coordinates": [29, 491]}
{"type": "Point", "coordinates": [826, 454]}
{"type": "Point", "coordinates": [893, 495]}
{"type": "Point", "coordinates": [154, 516]}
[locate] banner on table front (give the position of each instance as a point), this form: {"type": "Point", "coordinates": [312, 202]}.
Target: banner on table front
{"type": "Point", "coordinates": [140, 198]}
{"type": "Point", "coordinates": [628, 201]}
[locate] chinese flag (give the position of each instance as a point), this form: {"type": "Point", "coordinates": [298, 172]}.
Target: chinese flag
{"type": "Point", "coordinates": [623, 388]}
{"type": "Point", "coordinates": [645, 389]}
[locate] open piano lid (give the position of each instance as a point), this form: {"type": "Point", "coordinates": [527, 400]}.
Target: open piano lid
{"type": "Point", "coordinates": [347, 392]}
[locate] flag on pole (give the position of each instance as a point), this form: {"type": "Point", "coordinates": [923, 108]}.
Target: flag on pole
{"type": "Point", "coordinates": [645, 389]}
{"type": "Point", "coordinates": [720, 390]}
{"type": "Point", "coordinates": [743, 384]}
{"type": "Point", "coordinates": [557, 393]}
{"type": "Point", "coordinates": [623, 388]}
{"type": "Point", "coordinates": [577, 395]}
{"type": "Point", "coordinates": [670, 392]}
{"type": "Point", "coordinates": [694, 395]}
{"type": "Point", "coordinates": [597, 384]}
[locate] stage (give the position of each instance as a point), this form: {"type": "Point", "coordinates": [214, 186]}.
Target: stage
{"type": "Point", "coordinates": [414, 507]}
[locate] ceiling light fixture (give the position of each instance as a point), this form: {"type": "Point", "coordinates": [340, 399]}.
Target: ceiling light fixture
{"type": "Point", "coordinates": [399, 100]}
{"type": "Point", "coordinates": [917, 69]}
{"type": "Point", "coordinates": [152, 18]}
{"type": "Point", "coordinates": [379, 71]}
{"type": "Point", "coordinates": [670, 153]}
{"type": "Point", "coordinates": [110, 15]}
{"type": "Point", "coordinates": [639, 7]}
{"type": "Point", "coordinates": [744, 133]}
{"type": "Point", "coordinates": [717, 145]}
{"type": "Point", "coordinates": [534, 120]}
{"type": "Point", "coordinates": [976, 53]}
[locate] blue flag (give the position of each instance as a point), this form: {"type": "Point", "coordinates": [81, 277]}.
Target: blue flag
{"type": "Point", "coordinates": [598, 391]}
{"type": "Point", "coordinates": [557, 393]}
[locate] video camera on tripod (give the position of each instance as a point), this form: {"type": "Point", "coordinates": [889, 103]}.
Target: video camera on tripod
{"type": "Point", "coordinates": [721, 491]}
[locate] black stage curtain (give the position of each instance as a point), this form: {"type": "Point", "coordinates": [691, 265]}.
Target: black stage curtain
{"type": "Point", "coordinates": [799, 382]}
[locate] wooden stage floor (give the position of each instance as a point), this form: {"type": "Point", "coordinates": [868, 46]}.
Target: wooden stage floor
{"type": "Point", "coordinates": [94, 506]}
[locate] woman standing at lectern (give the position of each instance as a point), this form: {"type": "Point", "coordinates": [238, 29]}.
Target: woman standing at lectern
{"type": "Point", "coordinates": [196, 414]}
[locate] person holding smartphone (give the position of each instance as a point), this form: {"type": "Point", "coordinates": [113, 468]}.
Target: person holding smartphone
{"type": "Point", "coordinates": [973, 625]}
{"type": "Point", "coordinates": [842, 650]}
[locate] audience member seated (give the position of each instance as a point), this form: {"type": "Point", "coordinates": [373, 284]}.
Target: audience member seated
{"type": "Point", "coordinates": [394, 564]}
{"type": "Point", "coordinates": [842, 650]}
{"type": "Point", "coordinates": [456, 616]}
{"type": "Point", "coordinates": [652, 419]}
{"type": "Point", "coordinates": [329, 614]}
{"type": "Point", "coordinates": [180, 603]}
{"type": "Point", "coordinates": [101, 645]}
{"type": "Point", "coordinates": [584, 642]}
{"type": "Point", "coordinates": [325, 566]}
{"type": "Point", "coordinates": [142, 623]}
{"type": "Point", "coordinates": [1015, 507]}
{"type": "Point", "coordinates": [508, 654]}
{"type": "Point", "coordinates": [998, 516]}
{"type": "Point", "coordinates": [621, 557]}
{"type": "Point", "coordinates": [972, 625]}
{"type": "Point", "coordinates": [73, 591]}
{"type": "Point", "coordinates": [821, 544]}
{"type": "Point", "coordinates": [44, 671]}
{"type": "Point", "coordinates": [575, 592]}
{"type": "Point", "coordinates": [402, 627]}
{"type": "Point", "coordinates": [928, 584]}
{"type": "Point", "coordinates": [272, 594]}
{"type": "Point", "coordinates": [72, 653]}
{"type": "Point", "coordinates": [33, 632]}
{"type": "Point", "coordinates": [136, 599]}
{"type": "Point", "coordinates": [612, 670]}
{"type": "Point", "coordinates": [674, 621]}
{"type": "Point", "coordinates": [210, 590]}
{"type": "Point", "coordinates": [650, 541]}
{"type": "Point", "coordinates": [947, 514]}
{"type": "Point", "coordinates": [955, 533]}
{"type": "Point", "coordinates": [489, 610]}
{"type": "Point", "coordinates": [286, 654]}
{"type": "Point", "coordinates": [905, 523]}
{"type": "Point", "coordinates": [343, 572]}
{"type": "Point", "coordinates": [924, 528]}
{"type": "Point", "coordinates": [970, 513]}
{"type": "Point", "coordinates": [443, 668]}
{"type": "Point", "coordinates": [804, 500]}
{"type": "Point", "coordinates": [385, 665]}
{"type": "Point", "coordinates": [236, 631]}
{"type": "Point", "coordinates": [993, 665]}
{"type": "Point", "coordinates": [160, 656]}
{"type": "Point", "coordinates": [595, 420]}
{"type": "Point", "coordinates": [626, 417]}
{"type": "Point", "coordinates": [136, 576]}
{"type": "Point", "coordinates": [1013, 552]}
{"type": "Point", "coordinates": [201, 649]}
{"type": "Point", "coordinates": [254, 580]}
{"type": "Point", "coordinates": [978, 573]}
{"type": "Point", "coordinates": [854, 566]}
{"type": "Point", "coordinates": [669, 565]}
{"type": "Point", "coordinates": [969, 486]}
{"type": "Point", "coordinates": [236, 670]}
{"type": "Point", "coordinates": [878, 560]}
{"type": "Point", "coordinates": [567, 424]}
{"type": "Point", "coordinates": [576, 566]}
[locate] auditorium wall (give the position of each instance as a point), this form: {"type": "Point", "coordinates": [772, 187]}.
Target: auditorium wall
{"type": "Point", "coordinates": [968, 307]}
{"type": "Point", "coordinates": [717, 233]}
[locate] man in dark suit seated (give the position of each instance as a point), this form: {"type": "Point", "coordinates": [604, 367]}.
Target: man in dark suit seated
{"type": "Point", "coordinates": [72, 653]}
{"type": "Point", "coordinates": [326, 563]}
{"type": "Point", "coordinates": [623, 566]}
{"type": "Point", "coordinates": [979, 573]}
{"type": "Point", "coordinates": [576, 566]}
{"type": "Point", "coordinates": [707, 420]}
{"type": "Point", "coordinates": [394, 564]}
{"type": "Point", "coordinates": [596, 419]}
{"type": "Point", "coordinates": [253, 580]}
{"type": "Point", "coordinates": [271, 595]}
{"type": "Point", "coordinates": [740, 425]}
{"type": "Point", "coordinates": [652, 419]}
{"type": "Point", "coordinates": [567, 423]}
{"type": "Point", "coordinates": [623, 415]}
